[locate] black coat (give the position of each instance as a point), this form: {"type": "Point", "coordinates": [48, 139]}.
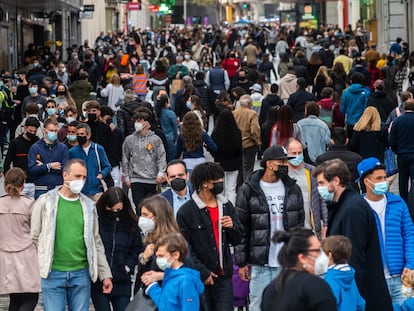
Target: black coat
{"type": "Point", "coordinates": [352, 217]}
{"type": "Point", "coordinates": [369, 143]}
{"type": "Point", "coordinates": [271, 100]}
{"type": "Point", "coordinates": [195, 225]}
{"type": "Point", "coordinates": [298, 101]}
{"type": "Point", "coordinates": [253, 212]}
{"type": "Point", "coordinates": [384, 104]}
{"type": "Point", "coordinates": [121, 249]}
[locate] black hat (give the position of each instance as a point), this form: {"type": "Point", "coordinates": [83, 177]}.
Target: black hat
{"type": "Point", "coordinates": [274, 152]}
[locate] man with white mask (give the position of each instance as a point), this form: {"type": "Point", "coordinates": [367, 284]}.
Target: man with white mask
{"type": "Point", "coordinates": [190, 64]}
{"type": "Point", "coordinates": [65, 229]}
{"type": "Point", "coordinates": [143, 159]}
{"type": "Point", "coordinates": [350, 215]}
{"type": "Point", "coordinates": [394, 225]}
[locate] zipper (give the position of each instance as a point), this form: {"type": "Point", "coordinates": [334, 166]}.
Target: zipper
{"type": "Point", "coordinates": [113, 244]}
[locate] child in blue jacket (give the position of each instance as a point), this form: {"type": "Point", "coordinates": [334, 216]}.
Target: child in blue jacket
{"type": "Point", "coordinates": [181, 286]}
{"type": "Point", "coordinates": [340, 275]}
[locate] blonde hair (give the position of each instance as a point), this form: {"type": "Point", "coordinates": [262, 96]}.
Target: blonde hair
{"type": "Point", "coordinates": [370, 121]}
{"type": "Point", "coordinates": [115, 80]}
{"type": "Point", "coordinates": [323, 70]}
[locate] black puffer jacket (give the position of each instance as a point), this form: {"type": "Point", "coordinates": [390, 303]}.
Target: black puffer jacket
{"type": "Point", "coordinates": [253, 212]}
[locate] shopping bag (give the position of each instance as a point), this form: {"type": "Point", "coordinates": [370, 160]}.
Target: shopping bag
{"type": "Point", "coordinates": [176, 85]}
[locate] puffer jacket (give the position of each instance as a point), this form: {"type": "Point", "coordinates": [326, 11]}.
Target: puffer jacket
{"type": "Point", "coordinates": [399, 235]}
{"type": "Point", "coordinates": [143, 158]}
{"type": "Point", "coordinates": [254, 216]}
{"type": "Point", "coordinates": [43, 232]}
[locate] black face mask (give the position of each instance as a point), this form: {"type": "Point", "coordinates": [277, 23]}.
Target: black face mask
{"type": "Point", "coordinates": [109, 121]}
{"type": "Point", "coordinates": [217, 188]}
{"type": "Point", "coordinates": [60, 93]}
{"type": "Point", "coordinates": [282, 171]}
{"type": "Point", "coordinates": [242, 78]}
{"type": "Point", "coordinates": [81, 140]}
{"type": "Point", "coordinates": [114, 215]}
{"type": "Point", "coordinates": [92, 117]}
{"type": "Point", "coordinates": [178, 184]}
{"type": "Point", "coordinates": [31, 136]}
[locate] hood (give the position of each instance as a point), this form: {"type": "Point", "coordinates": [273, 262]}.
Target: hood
{"type": "Point", "coordinates": [130, 107]}
{"type": "Point", "coordinates": [379, 94]}
{"type": "Point", "coordinates": [289, 77]}
{"type": "Point", "coordinates": [344, 276]}
{"type": "Point", "coordinates": [356, 88]}
{"type": "Point", "coordinates": [81, 84]}
{"type": "Point", "coordinates": [326, 103]}
{"type": "Point", "coordinates": [184, 272]}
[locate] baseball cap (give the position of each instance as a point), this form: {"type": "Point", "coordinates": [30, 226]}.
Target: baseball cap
{"type": "Point", "coordinates": [256, 87]}
{"type": "Point", "coordinates": [366, 166]}
{"type": "Point", "coordinates": [274, 152]}
{"type": "Point", "coordinates": [379, 83]}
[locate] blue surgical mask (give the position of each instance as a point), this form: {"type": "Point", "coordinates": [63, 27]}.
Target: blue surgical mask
{"type": "Point", "coordinates": [297, 160]}
{"type": "Point", "coordinates": [32, 90]}
{"type": "Point", "coordinates": [189, 105]}
{"type": "Point", "coordinates": [51, 111]}
{"type": "Point", "coordinates": [380, 188]}
{"type": "Point", "coordinates": [51, 136]}
{"type": "Point", "coordinates": [325, 194]}
{"type": "Point", "coordinates": [71, 137]}
{"type": "Point", "coordinates": [163, 263]}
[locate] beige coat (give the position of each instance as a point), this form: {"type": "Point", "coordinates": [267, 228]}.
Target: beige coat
{"type": "Point", "coordinates": [19, 268]}
{"type": "Point", "coordinates": [43, 234]}
{"type": "Point", "coordinates": [248, 123]}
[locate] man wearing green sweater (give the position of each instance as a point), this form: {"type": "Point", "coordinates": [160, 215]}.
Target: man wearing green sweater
{"type": "Point", "coordinates": [70, 250]}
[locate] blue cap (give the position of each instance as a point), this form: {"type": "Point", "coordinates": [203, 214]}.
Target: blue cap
{"type": "Point", "coordinates": [368, 165]}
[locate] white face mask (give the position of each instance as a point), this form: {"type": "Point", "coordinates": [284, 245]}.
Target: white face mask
{"type": "Point", "coordinates": [163, 263]}
{"type": "Point", "coordinates": [70, 119]}
{"type": "Point", "coordinates": [321, 264]}
{"type": "Point", "coordinates": [146, 224]}
{"type": "Point", "coordinates": [76, 185]}
{"type": "Point", "coordinates": [138, 126]}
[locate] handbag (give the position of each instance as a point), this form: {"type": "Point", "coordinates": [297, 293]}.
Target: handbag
{"type": "Point", "coordinates": [390, 162]}
{"type": "Point", "coordinates": [141, 303]}
{"type": "Point", "coordinates": [106, 182]}
{"type": "Point", "coordinates": [176, 85]}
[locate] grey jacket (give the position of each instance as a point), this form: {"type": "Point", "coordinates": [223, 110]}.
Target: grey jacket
{"type": "Point", "coordinates": [143, 158]}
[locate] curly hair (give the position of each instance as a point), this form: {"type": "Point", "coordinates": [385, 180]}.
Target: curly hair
{"type": "Point", "coordinates": [191, 131]}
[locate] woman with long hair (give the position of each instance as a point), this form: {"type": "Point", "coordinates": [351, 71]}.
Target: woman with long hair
{"type": "Point", "coordinates": [284, 128]}
{"type": "Point", "coordinates": [191, 140]}
{"type": "Point", "coordinates": [168, 122]}
{"type": "Point", "coordinates": [284, 64]}
{"type": "Point", "coordinates": [63, 95]}
{"type": "Point", "coordinates": [140, 82]}
{"type": "Point", "coordinates": [155, 221]}
{"type": "Point", "coordinates": [321, 80]}
{"type": "Point", "coordinates": [267, 126]}
{"type": "Point", "coordinates": [339, 80]}
{"type": "Point", "coordinates": [118, 228]}
{"type": "Point", "coordinates": [114, 91]}
{"type": "Point", "coordinates": [19, 267]}
{"type": "Point", "coordinates": [180, 108]}
{"type": "Point", "coordinates": [369, 138]}
{"type": "Point", "coordinates": [235, 94]}
{"type": "Point", "coordinates": [227, 136]}
{"type": "Point", "coordinates": [313, 67]}
{"type": "Point", "coordinates": [194, 105]}
{"type": "Point", "coordinates": [298, 287]}
{"type": "Point", "coordinates": [159, 76]}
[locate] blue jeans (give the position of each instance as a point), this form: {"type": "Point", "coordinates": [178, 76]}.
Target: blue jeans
{"type": "Point", "coordinates": [72, 288]}
{"type": "Point", "coordinates": [394, 287]}
{"type": "Point", "coordinates": [260, 277]}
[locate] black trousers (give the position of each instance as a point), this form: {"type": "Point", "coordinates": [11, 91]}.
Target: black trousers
{"type": "Point", "coordinates": [23, 301]}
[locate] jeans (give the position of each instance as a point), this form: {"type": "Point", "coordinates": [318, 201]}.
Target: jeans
{"type": "Point", "coordinates": [248, 157]}
{"type": "Point", "coordinates": [140, 191]}
{"type": "Point", "coordinates": [103, 302]}
{"type": "Point", "coordinates": [116, 176]}
{"type": "Point", "coordinates": [405, 163]}
{"type": "Point", "coordinates": [72, 288]}
{"type": "Point", "coordinates": [29, 190]}
{"type": "Point", "coordinates": [219, 297]}
{"type": "Point", "coordinates": [230, 184]}
{"type": "Point", "coordinates": [260, 277]}
{"type": "Point", "coordinates": [394, 287]}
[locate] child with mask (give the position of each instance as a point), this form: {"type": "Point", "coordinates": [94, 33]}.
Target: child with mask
{"type": "Point", "coordinates": [340, 275]}
{"type": "Point", "coordinates": [181, 286]}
